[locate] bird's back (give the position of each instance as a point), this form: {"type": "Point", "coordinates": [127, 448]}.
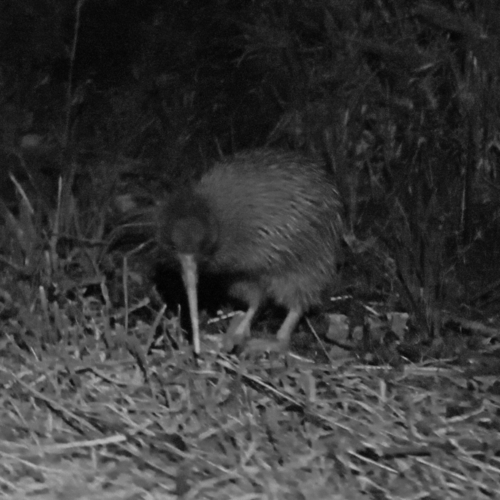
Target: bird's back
{"type": "Point", "coordinates": [277, 213]}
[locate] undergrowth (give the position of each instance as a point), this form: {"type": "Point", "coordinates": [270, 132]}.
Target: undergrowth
{"type": "Point", "coordinates": [395, 397]}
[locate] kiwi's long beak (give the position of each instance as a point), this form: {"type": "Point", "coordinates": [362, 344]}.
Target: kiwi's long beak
{"type": "Point", "coordinates": [190, 278]}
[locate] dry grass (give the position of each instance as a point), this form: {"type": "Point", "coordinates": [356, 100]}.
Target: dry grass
{"type": "Point", "coordinates": [88, 419]}
{"type": "Point", "coordinates": [403, 98]}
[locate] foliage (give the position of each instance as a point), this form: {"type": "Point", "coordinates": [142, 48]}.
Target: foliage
{"type": "Point", "coordinates": [86, 419]}
{"type": "Point", "coordinates": [400, 98]}
{"type": "Point", "coordinates": [105, 105]}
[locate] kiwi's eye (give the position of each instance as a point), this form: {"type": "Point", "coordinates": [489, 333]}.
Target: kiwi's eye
{"type": "Point", "coordinates": [188, 235]}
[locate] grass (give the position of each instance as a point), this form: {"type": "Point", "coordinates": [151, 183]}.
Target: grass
{"type": "Point", "coordinates": [100, 396]}
{"type": "Point", "coordinates": [107, 413]}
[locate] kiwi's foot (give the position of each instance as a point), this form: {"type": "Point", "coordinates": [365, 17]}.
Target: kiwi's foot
{"type": "Point", "coordinates": [237, 333]}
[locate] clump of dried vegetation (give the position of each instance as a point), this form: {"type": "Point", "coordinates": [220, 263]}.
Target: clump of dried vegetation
{"type": "Point", "coordinates": [100, 395]}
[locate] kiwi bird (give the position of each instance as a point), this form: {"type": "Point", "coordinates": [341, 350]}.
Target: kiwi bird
{"type": "Point", "coordinates": [268, 221]}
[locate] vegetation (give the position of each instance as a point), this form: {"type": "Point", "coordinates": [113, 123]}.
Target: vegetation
{"type": "Point", "coordinates": [106, 106]}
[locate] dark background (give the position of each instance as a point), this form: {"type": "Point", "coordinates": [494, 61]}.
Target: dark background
{"type": "Point", "coordinates": [124, 100]}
